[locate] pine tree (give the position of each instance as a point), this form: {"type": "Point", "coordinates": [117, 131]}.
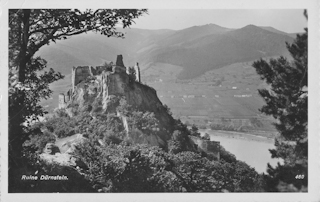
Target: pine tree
{"type": "Point", "coordinates": [287, 102]}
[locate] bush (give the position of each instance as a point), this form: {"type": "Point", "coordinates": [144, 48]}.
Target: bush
{"type": "Point", "coordinates": [37, 141]}
{"type": "Point", "coordinates": [117, 165]}
{"type": "Point", "coordinates": [61, 126]}
{"type": "Point", "coordinates": [119, 168]}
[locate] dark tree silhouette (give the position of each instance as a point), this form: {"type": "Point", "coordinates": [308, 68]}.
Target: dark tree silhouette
{"type": "Point", "coordinates": [29, 30]}
{"type": "Point", "coordinates": [287, 102]}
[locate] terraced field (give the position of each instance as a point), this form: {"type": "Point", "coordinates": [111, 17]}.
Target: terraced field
{"type": "Point", "coordinates": [226, 93]}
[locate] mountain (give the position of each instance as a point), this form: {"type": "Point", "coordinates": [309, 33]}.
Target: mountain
{"type": "Point", "coordinates": [94, 49]}
{"type": "Point", "coordinates": [197, 49]}
{"type": "Point", "coordinates": [271, 29]}
{"type": "Point", "coordinates": [170, 58]}
{"type": "Point", "coordinates": [217, 50]}
{"type": "Point", "coordinates": [192, 33]}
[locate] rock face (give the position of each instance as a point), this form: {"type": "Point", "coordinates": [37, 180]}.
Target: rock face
{"type": "Point", "coordinates": [51, 148]}
{"type": "Point", "coordinates": [100, 91]}
{"type": "Point", "coordinates": [60, 152]}
{"type": "Point", "coordinates": [116, 83]}
{"type": "Point", "coordinates": [67, 144]}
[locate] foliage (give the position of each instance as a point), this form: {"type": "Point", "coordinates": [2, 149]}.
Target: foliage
{"type": "Point", "coordinates": [120, 168]}
{"type": "Point", "coordinates": [123, 168]}
{"type": "Point", "coordinates": [111, 164]}
{"type": "Point", "coordinates": [227, 156]}
{"type": "Point", "coordinates": [178, 142]}
{"type": "Point", "coordinates": [256, 122]}
{"type": "Point", "coordinates": [144, 121]}
{"type": "Point", "coordinates": [24, 99]}
{"type": "Point", "coordinates": [103, 126]}
{"type": "Point", "coordinates": [29, 30]}
{"type": "Point", "coordinates": [61, 126]}
{"type": "Point", "coordinates": [37, 141]}
{"type": "Point", "coordinates": [195, 131]}
{"type": "Point", "coordinates": [287, 102]}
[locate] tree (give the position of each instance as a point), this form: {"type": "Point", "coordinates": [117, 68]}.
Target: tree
{"type": "Point", "coordinates": [287, 102]}
{"type": "Point", "coordinates": [29, 30]}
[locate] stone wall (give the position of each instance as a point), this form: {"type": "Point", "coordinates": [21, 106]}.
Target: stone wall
{"type": "Point", "coordinates": [99, 69]}
{"type": "Point", "coordinates": [79, 74]}
{"type": "Point", "coordinates": [64, 99]}
{"type": "Point", "coordinates": [110, 75]}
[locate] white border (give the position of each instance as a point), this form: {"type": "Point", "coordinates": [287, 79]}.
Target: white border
{"type": "Point", "coordinates": [314, 140]}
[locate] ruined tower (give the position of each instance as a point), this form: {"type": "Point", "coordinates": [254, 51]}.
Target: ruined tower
{"type": "Point", "coordinates": [119, 61]}
{"type": "Point", "coordinates": [137, 70]}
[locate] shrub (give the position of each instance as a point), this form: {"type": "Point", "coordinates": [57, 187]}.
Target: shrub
{"type": "Point", "coordinates": [38, 140]}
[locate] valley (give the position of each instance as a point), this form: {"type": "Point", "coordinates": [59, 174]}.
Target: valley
{"type": "Point", "coordinates": [204, 74]}
{"type": "Point", "coordinates": [226, 96]}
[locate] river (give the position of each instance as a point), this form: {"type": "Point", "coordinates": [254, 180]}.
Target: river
{"type": "Point", "coordinates": [252, 149]}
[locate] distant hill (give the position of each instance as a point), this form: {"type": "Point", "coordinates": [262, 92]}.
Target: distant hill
{"type": "Point", "coordinates": [189, 34]}
{"type": "Point", "coordinates": [207, 62]}
{"type": "Point", "coordinates": [271, 29]}
{"type": "Point", "coordinates": [197, 49]}
{"type": "Point", "coordinates": [217, 50]}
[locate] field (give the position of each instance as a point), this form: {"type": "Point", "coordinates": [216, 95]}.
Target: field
{"type": "Point", "coordinates": [226, 93]}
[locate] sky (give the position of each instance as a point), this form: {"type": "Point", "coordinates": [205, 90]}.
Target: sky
{"type": "Point", "coordinates": [287, 20]}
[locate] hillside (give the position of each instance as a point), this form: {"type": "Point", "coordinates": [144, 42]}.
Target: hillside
{"type": "Point", "coordinates": [200, 47]}
{"type": "Point", "coordinates": [271, 29]}
{"type": "Point", "coordinates": [192, 33]}
{"type": "Point", "coordinates": [203, 61]}
{"type": "Point", "coordinates": [217, 50]}
{"type": "Point", "coordinates": [112, 132]}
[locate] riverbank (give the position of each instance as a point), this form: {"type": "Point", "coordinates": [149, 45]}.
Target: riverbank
{"type": "Point", "coordinates": [235, 135]}
{"type": "Point", "coordinates": [249, 148]}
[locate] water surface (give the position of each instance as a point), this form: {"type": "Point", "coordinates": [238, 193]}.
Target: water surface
{"type": "Point", "coordinates": [253, 150]}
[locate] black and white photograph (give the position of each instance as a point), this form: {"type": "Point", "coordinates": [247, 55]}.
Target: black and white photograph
{"type": "Point", "coordinates": [146, 101]}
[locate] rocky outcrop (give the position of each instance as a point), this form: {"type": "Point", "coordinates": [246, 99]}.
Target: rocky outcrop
{"type": "Point", "coordinates": [67, 144]}
{"type": "Point", "coordinates": [60, 152]}
{"type": "Point", "coordinates": [101, 93]}
{"type": "Point", "coordinates": [105, 87]}
{"type": "Point", "coordinates": [59, 158]}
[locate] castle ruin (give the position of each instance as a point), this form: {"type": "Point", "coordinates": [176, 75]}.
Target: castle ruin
{"type": "Point", "coordinates": [81, 73]}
